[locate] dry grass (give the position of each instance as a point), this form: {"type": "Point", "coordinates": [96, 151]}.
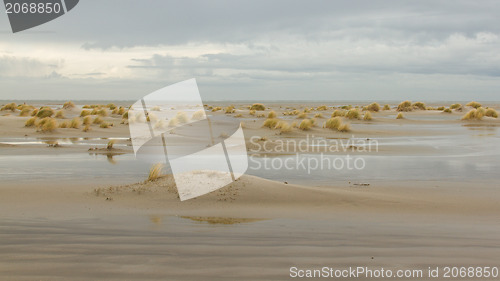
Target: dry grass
{"type": "Point", "coordinates": [367, 116]}
{"type": "Point", "coordinates": [110, 144]}
{"type": "Point", "coordinates": [400, 116]}
{"type": "Point", "coordinates": [252, 112]}
{"type": "Point", "coordinates": [47, 124]}
{"type": "Point", "coordinates": [105, 125]}
{"type": "Point", "coordinates": [474, 104]}
{"type": "Point", "coordinates": [60, 114]}
{"type": "Point", "coordinates": [155, 108]}
{"type": "Point", "coordinates": [125, 115]}
{"type": "Point", "coordinates": [333, 123]}
{"type": "Point", "coordinates": [456, 106]}
{"type": "Point", "coordinates": [68, 105]}
{"type": "Point", "coordinates": [353, 113]}
{"type": "Point", "coordinates": [490, 112]}
{"type": "Point", "coordinates": [387, 107]}
{"type": "Point", "coordinates": [419, 105]}
{"type": "Point", "coordinates": [217, 108]}
{"type": "Point", "coordinates": [322, 108]}
{"type": "Point", "coordinates": [338, 113]}
{"type": "Point", "coordinates": [86, 128]}
{"type": "Point", "coordinates": [155, 172]}
{"type": "Point", "coordinates": [181, 117]}
{"type": "Point", "coordinates": [34, 112]}
{"type": "Point", "coordinates": [97, 120]}
{"type": "Point", "coordinates": [10, 106]}
{"type": "Point", "coordinates": [306, 125]}
{"type": "Point", "coordinates": [238, 115]}
{"type": "Point", "coordinates": [30, 122]}
{"type": "Point", "coordinates": [64, 125]}
{"type": "Point", "coordinates": [75, 123]}
{"type": "Point", "coordinates": [344, 128]}
{"type": "Point", "coordinates": [45, 112]}
{"type": "Point", "coordinates": [447, 110]}
{"type": "Point", "coordinates": [295, 124]}
{"type": "Point", "coordinates": [302, 115]}
{"type": "Point", "coordinates": [272, 114]}
{"type": "Point", "coordinates": [318, 115]}
{"type": "Point", "coordinates": [85, 113]}
{"type": "Point", "coordinates": [230, 109]}
{"type": "Point", "coordinates": [270, 123]}
{"type": "Point", "coordinates": [87, 120]}
{"type": "Point", "coordinates": [173, 122]}
{"type": "Point", "coordinates": [25, 112]}
{"type": "Point", "coordinates": [375, 107]}
{"type": "Point", "coordinates": [102, 112]}
{"type": "Point", "coordinates": [258, 107]}
{"type": "Point", "coordinates": [198, 115]}
{"type": "Point", "coordinates": [405, 106]}
{"type": "Point", "coordinates": [283, 126]}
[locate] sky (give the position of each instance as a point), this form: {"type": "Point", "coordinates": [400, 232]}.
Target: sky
{"type": "Point", "coordinates": [259, 50]}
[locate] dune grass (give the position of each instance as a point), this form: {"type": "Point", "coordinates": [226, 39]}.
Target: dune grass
{"type": "Point", "coordinates": [155, 172]}
{"type": "Point", "coordinates": [230, 109]}
{"type": "Point", "coordinates": [155, 108]}
{"type": "Point", "coordinates": [344, 128]}
{"type": "Point", "coordinates": [270, 123]}
{"type": "Point", "coordinates": [302, 115]}
{"type": "Point", "coordinates": [405, 106]}
{"type": "Point", "coordinates": [85, 113]}
{"type": "Point", "coordinates": [217, 108]}
{"type": "Point", "coordinates": [75, 123]}
{"type": "Point", "coordinates": [125, 115]}
{"type": "Point", "coordinates": [490, 112]}
{"type": "Point", "coordinates": [102, 112]}
{"type": "Point", "coordinates": [252, 112]}
{"type": "Point", "coordinates": [306, 125]}
{"type": "Point", "coordinates": [87, 120]}
{"type": "Point", "coordinates": [258, 107]}
{"type": "Point", "coordinates": [272, 114]}
{"type": "Point", "coordinates": [474, 104]}
{"type": "Point", "coordinates": [181, 117]}
{"type": "Point", "coordinates": [447, 110]}
{"type": "Point", "coordinates": [367, 116]}
{"type": "Point", "coordinates": [283, 126]}
{"type": "Point", "coordinates": [387, 107]}
{"type": "Point", "coordinates": [45, 112]}
{"type": "Point", "coordinates": [64, 125]}
{"type": "Point", "coordinates": [318, 115]}
{"type": "Point", "coordinates": [47, 124]}
{"type": "Point", "coordinates": [456, 106]}
{"type": "Point", "coordinates": [105, 125]}
{"type": "Point", "coordinates": [400, 116]}
{"type": "Point", "coordinates": [10, 106]}
{"type": "Point", "coordinates": [353, 113]}
{"type": "Point", "coordinates": [110, 144]}
{"type": "Point", "coordinates": [68, 105]}
{"type": "Point", "coordinates": [419, 105]}
{"type": "Point", "coordinates": [60, 114]}
{"type": "Point", "coordinates": [322, 108]}
{"type": "Point", "coordinates": [30, 122]}
{"type": "Point", "coordinates": [198, 115]}
{"type": "Point", "coordinates": [333, 123]}
{"type": "Point", "coordinates": [97, 120]}
{"type": "Point", "coordinates": [338, 113]}
{"type": "Point", "coordinates": [375, 107]}
{"type": "Point", "coordinates": [25, 111]}
{"type": "Point", "coordinates": [86, 128]}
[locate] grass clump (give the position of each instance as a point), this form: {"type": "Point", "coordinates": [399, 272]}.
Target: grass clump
{"type": "Point", "coordinates": [45, 112]}
{"type": "Point", "coordinates": [419, 105]}
{"type": "Point", "coordinates": [353, 113]}
{"type": "Point", "coordinates": [10, 106]}
{"type": "Point", "coordinates": [98, 120]}
{"type": "Point", "coordinates": [270, 123]}
{"type": "Point", "coordinates": [405, 106]}
{"type": "Point", "coordinates": [60, 114]}
{"type": "Point", "coordinates": [217, 108]}
{"type": "Point", "coordinates": [318, 115]}
{"type": "Point", "coordinates": [272, 114]}
{"type": "Point", "coordinates": [456, 106]}
{"type": "Point", "coordinates": [333, 123]}
{"type": "Point", "coordinates": [87, 120]}
{"type": "Point", "coordinates": [252, 112]}
{"type": "Point", "coordinates": [258, 107]}
{"type": "Point", "coordinates": [344, 127]}
{"type": "Point", "coordinates": [338, 113]}
{"type": "Point", "coordinates": [86, 128]}
{"type": "Point", "coordinates": [474, 104]}
{"type": "Point", "coordinates": [375, 107]}
{"type": "Point", "coordinates": [125, 115]}
{"type": "Point", "coordinates": [181, 117]}
{"type": "Point", "coordinates": [47, 124]}
{"type": "Point", "coordinates": [102, 112]}
{"type": "Point", "coordinates": [110, 144]}
{"type": "Point", "coordinates": [447, 110]}
{"type": "Point", "coordinates": [155, 108]}
{"type": "Point", "coordinates": [400, 116]}
{"type": "Point", "coordinates": [322, 108]}
{"type": "Point", "coordinates": [75, 123]}
{"type": "Point", "coordinates": [30, 122]}
{"type": "Point", "coordinates": [63, 125]}
{"type": "Point", "coordinates": [155, 172]}
{"type": "Point", "coordinates": [302, 115]}
{"type": "Point", "coordinates": [283, 126]}
{"type": "Point", "coordinates": [367, 116]}
{"type": "Point", "coordinates": [25, 111]}
{"type": "Point", "coordinates": [230, 109]}
{"type": "Point", "coordinates": [198, 115]}
{"type": "Point", "coordinates": [85, 113]}
{"type": "Point", "coordinates": [306, 125]}
{"type": "Point", "coordinates": [387, 107]}
{"type": "Point", "coordinates": [105, 125]}
{"type": "Point", "coordinates": [490, 112]}
{"type": "Point", "coordinates": [68, 105]}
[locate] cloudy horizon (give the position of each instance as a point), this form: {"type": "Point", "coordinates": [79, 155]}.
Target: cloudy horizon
{"type": "Point", "coordinates": [259, 50]}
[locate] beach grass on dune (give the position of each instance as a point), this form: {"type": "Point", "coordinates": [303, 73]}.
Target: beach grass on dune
{"type": "Point", "coordinates": [198, 115]}
{"type": "Point", "coordinates": [110, 144]}
{"type": "Point", "coordinates": [400, 116]}
{"type": "Point", "coordinates": [272, 114]}
{"type": "Point", "coordinates": [45, 112]}
{"type": "Point", "coordinates": [47, 124]}
{"type": "Point", "coordinates": [30, 122]}
{"type": "Point", "coordinates": [68, 105]}
{"type": "Point", "coordinates": [353, 113]}
{"type": "Point", "coordinates": [474, 104]}
{"type": "Point", "coordinates": [258, 107]}
{"type": "Point", "coordinates": [367, 116]}
{"type": "Point", "coordinates": [155, 172]}
{"type": "Point", "coordinates": [75, 123]}
{"type": "Point", "coordinates": [405, 106]}
{"type": "Point", "coordinates": [375, 107]}
{"type": "Point", "coordinates": [60, 114]}
{"type": "Point", "coordinates": [270, 123]}
{"type": "Point", "coordinates": [306, 125]}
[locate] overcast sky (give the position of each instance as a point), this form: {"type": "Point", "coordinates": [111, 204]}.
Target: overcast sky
{"type": "Point", "coordinates": [247, 50]}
